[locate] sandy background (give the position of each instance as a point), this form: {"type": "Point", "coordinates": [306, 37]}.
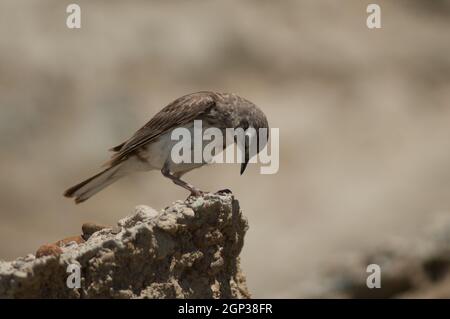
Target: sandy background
{"type": "Point", "coordinates": [363, 115]}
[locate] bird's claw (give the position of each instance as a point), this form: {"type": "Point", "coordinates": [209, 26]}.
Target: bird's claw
{"type": "Point", "coordinates": [196, 193]}
{"type": "Point", "coordinates": [224, 191]}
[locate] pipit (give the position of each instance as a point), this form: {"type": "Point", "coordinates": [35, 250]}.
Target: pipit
{"type": "Point", "coordinates": [150, 147]}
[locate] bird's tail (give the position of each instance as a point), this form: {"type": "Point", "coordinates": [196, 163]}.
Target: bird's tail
{"type": "Point", "coordinates": [93, 185]}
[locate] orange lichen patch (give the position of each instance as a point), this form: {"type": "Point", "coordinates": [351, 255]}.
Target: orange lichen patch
{"type": "Point", "coordinates": [48, 250]}
{"type": "Point", "coordinates": [78, 239]}
{"type": "Point", "coordinates": [54, 249]}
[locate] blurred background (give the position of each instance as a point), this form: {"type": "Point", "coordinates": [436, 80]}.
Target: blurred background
{"type": "Point", "coordinates": [363, 116]}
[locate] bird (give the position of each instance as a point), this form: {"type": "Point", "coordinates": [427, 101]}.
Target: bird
{"type": "Point", "coordinates": [149, 148]}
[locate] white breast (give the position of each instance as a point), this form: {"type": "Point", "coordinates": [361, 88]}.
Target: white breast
{"type": "Point", "coordinates": [159, 152]}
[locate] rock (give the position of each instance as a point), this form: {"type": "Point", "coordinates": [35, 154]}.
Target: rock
{"type": "Point", "coordinates": [189, 250]}
{"type": "Point", "coordinates": [90, 228]}
{"type": "Point", "coordinates": [141, 213]}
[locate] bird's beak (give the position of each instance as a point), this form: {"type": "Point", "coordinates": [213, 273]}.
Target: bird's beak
{"type": "Point", "coordinates": [246, 160]}
{"type": "Point", "coordinates": [243, 167]}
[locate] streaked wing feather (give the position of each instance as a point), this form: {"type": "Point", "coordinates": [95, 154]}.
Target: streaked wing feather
{"type": "Point", "coordinates": [179, 112]}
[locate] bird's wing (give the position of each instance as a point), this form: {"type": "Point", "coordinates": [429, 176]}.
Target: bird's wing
{"type": "Point", "coordinates": [181, 111]}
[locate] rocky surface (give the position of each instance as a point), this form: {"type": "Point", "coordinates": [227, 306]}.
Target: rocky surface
{"type": "Point", "coordinates": [188, 250]}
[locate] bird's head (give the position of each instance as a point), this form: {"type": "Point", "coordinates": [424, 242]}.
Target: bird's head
{"type": "Point", "coordinates": [256, 130]}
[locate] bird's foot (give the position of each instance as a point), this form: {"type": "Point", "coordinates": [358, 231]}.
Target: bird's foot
{"type": "Point", "coordinates": [224, 191]}
{"type": "Point", "coordinates": [196, 193]}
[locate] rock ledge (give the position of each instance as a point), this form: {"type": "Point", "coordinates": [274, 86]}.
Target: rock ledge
{"type": "Point", "coordinates": [188, 250]}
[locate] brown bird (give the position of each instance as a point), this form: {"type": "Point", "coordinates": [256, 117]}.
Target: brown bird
{"type": "Point", "coordinates": [150, 147]}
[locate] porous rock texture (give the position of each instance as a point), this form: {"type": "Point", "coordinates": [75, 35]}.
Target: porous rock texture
{"type": "Point", "coordinates": [188, 250]}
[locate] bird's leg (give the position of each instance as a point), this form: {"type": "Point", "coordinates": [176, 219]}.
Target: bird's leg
{"type": "Point", "coordinates": [176, 179]}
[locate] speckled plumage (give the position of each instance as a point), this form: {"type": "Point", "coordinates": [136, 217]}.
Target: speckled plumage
{"type": "Point", "coordinates": [148, 147]}
{"type": "Point", "coordinates": [219, 110]}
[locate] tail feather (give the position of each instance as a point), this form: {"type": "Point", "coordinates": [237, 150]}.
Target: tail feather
{"type": "Point", "coordinates": [93, 185]}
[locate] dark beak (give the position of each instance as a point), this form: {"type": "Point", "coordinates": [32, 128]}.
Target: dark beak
{"type": "Point", "coordinates": [244, 164]}
{"type": "Point", "coordinates": [243, 167]}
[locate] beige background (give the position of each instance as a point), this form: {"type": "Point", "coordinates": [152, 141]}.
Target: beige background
{"type": "Point", "coordinates": [363, 115]}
